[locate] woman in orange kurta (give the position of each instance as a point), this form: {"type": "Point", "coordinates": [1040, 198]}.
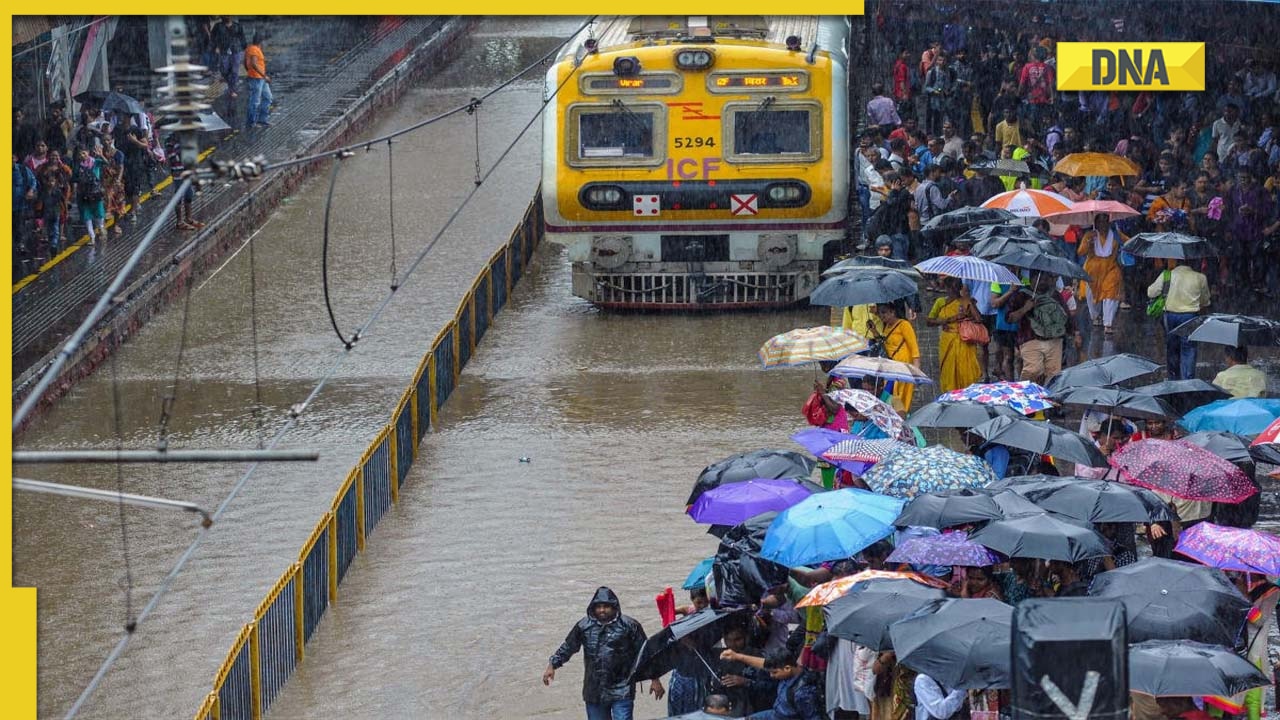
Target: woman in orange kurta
{"type": "Point", "coordinates": [1100, 248]}
{"type": "Point", "coordinates": [899, 344]}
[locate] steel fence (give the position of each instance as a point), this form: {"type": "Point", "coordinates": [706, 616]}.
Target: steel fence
{"type": "Point", "coordinates": [269, 649]}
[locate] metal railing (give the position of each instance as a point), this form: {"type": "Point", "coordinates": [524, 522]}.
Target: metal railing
{"type": "Point", "coordinates": [270, 647]}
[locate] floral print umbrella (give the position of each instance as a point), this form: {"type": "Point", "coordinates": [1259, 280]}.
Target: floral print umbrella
{"type": "Point", "coordinates": [949, 548]}
{"type": "Point", "coordinates": [1183, 470]}
{"type": "Point", "coordinates": [1228, 548]}
{"type": "Point", "coordinates": [1026, 397]}
{"type": "Point", "coordinates": [877, 411]}
{"type": "Point", "coordinates": [859, 450]}
{"type": "Point", "coordinates": [806, 345]}
{"type": "Point", "coordinates": [834, 589]}
{"type": "Point", "coordinates": [909, 471]}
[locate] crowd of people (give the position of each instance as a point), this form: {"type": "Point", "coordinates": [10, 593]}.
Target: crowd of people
{"type": "Point", "coordinates": [90, 173]}
{"type": "Point", "coordinates": [950, 99]}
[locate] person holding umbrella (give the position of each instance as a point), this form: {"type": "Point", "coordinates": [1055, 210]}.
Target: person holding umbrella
{"type": "Point", "coordinates": [799, 692]}
{"type": "Point", "coordinates": [1100, 248]}
{"type": "Point", "coordinates": [899, 342]}
{"type": "Point", "coordinates": [1186, 294]}
{"type": "Point", "coordinates": [958, 359]}
{"type": "Point", "coordinates": [610, 642]}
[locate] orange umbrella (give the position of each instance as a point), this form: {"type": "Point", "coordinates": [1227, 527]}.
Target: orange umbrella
{"type": "Point", "coordinates": [1087, 164]}
{"type": "Point", "coordinates": [1083, 212]}
{"type": "Point", "coordinates": [832, 590]}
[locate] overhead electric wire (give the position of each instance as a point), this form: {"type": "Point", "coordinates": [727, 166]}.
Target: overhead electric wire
{"type": "Point", "coordinates": [298, 409]}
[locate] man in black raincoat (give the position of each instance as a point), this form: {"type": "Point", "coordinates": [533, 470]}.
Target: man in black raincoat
{"type": "Point", "coordinates": [610, 643]}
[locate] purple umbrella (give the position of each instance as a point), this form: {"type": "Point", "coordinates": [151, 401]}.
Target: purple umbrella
{"type": "Point", "coordinates": [736, 502]}
{"type": "Point", "coordinates": [819, 440]}
{"type": "Point", "coordinates": [951, 548]}
{"type": "Point", "coordinates": [1228, 548]}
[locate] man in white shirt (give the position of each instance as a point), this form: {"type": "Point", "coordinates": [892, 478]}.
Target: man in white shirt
{"type": "Point", "coordinates": [1225, 129]}
{"type": "Point", "coordinates": [934, 702]}
{"type": "Point", "coordinates": [1258, 82]}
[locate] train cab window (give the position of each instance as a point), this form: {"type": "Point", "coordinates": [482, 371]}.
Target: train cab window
{"type": "Point", "coordinates": [617, 134]}
{"type": "Point", "coordinates": [774, 133]}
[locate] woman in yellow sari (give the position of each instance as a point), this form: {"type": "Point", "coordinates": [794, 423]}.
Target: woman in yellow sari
{"type": "Point", "coordinates": [1100, 247]}
{"type": "Point", "coordinates": [958, 359]}
{"type": "Point", "coordinates": [899, 344]}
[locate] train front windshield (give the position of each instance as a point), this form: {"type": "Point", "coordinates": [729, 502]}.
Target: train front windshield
{"type": "Point", "coordinates": [771, 132]}
{"type": "Point", "coordinates": [615, 133]}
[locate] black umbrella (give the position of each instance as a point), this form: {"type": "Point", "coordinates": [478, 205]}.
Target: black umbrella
{"type": "Point", "coordinates": [967, 217]}
{"type": "Point", "coordinates": [1038, 261]}
{"type": "Point", "coordinates": [1117, 401]}
{"type": "Point", "coordinates": [1095, 501]}
{"type": "Point", "coordinates": [872, 262]}
{"type": "Point", "coordinates": [1109, 370]}
{"type": "Point", "coordinates": [993, 247]}
{"type": "Point", "coordinates": [1045, 536]}
{"type": "Point", "coordinates": [1015, 231]}
{"type": "Point", "coordinates": [864, 614]}
{"type": "Point", "coordinates": [1234, 330]}
{"type": "Point", "coordinates": [1265, 453]}
{"type": "Point", "coordinates": [1169, 245]}
{"type": "Point", "coordinates": [1011, 504]}
{"type": "Point", "coordinates": [962, 644]}
{"type": "Point", "coordinates": [1229, 446]}
{"type": "Point", "coordinates": [751, 465]}
{"type": "Point", "coordinates": [1042, 437]}
{"type": "Point", "coordinates": [1172, 600]}
{"type": "Point", "coordinates": [948, 509]}
{"type": "Point", "coordinates": [740, 574]}
{"type": "Point", "coordinates": [658, 655]}
{"type": "Point", "coordinates": [1184, 395]}
{"type": "Point", "coordinates": [1165, 668]}
{"type": "Point", "coordinates": [1005, 167]}
{"type": "Point", "coordinates": [962, 414]}
{"type": "Point", "coordinates": [865, 287]}
{"type": "Point", "coordinates": [121, 103]}
{"type": "Point", "coordinates": [91, 97]}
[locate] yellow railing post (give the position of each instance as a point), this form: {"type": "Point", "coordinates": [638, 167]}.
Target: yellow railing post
{"type": "Point", "coordinates": [255, 672]}
{"type": "Point", "coordinates": [299, 617]}
{"type": "Point", "coordinates": [431, 388]}
{"type": "Point", "coordinates": [392, 460]}
{"type": "Point", "coordinates": [359, 473]}
{"type": "Point", "coordinates": [333, 557]}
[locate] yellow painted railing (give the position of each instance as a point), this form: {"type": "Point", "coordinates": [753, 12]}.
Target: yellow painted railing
{"type": "Point", "coordinates": [271, 646]}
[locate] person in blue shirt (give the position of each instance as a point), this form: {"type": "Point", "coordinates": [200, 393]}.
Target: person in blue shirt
{"type": "Point", "coordinates": [995, 455]}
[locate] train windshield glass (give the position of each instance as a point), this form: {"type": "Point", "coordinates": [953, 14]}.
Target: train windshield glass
{"type": "Point", "coordinates": [771, 132]}
{"type": "Point", "coordinates": [616, 132]}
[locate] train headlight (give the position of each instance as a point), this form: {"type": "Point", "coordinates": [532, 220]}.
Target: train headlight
{"type": "Point", "coordinates": [603, 197]}
{"type": "Point", "coordinates": [625, 66]}
{"type": "Point", "coordinates": [693, 59]}
{"type": "Point", "coordinates": [787, 194]}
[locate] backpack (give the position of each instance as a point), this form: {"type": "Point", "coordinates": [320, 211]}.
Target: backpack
{"type": "Point", "coordinates": [1048, 318]}
{"type": "Point", "coordinates": [89, 185]}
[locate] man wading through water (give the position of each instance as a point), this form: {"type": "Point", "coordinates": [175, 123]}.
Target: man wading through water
{"type": "Point", "coordinates": [610, 643]}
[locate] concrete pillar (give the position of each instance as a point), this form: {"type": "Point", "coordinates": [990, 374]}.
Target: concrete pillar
{"type": "Point", "coordinates": [158, 40]}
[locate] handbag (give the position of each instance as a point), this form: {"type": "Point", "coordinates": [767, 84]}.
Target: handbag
{"type": "Point", "coordinates": [1155, 308]}
{"type": "Point", "coordinates": [814, 411]}
{"type": "Point", "coordinates": [974, 333]}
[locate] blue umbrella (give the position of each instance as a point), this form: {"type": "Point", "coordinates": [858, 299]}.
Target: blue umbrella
{"type": "Point", "coordinates": [1242, 416]}
{"type": "Point", "coordinates": [698, 576]}
{"type": "Point", "coordinates": [829, 526]}
{"type": "Point", "coordinates": [737, 502]}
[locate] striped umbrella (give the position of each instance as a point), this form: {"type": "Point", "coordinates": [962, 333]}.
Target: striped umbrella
{"type": "Point", "coordinates": [967, 267]}
{"type": "Point", "coordinates": [1030, 203]}
{"type": "Point", "coordinates": [806, 345]}
{"type": "Point", "coordinates": [856, 449]}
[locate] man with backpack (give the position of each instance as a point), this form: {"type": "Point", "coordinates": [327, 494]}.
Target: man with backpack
{"type": "Point", "coordinates": [1040, 337]}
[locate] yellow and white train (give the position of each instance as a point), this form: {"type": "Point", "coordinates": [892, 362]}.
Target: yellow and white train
{"type": "Point", "coordinates": [698, 162]}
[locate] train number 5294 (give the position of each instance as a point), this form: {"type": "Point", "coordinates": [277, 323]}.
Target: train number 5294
{"type": "Point", "coordinates": [695, 142]}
